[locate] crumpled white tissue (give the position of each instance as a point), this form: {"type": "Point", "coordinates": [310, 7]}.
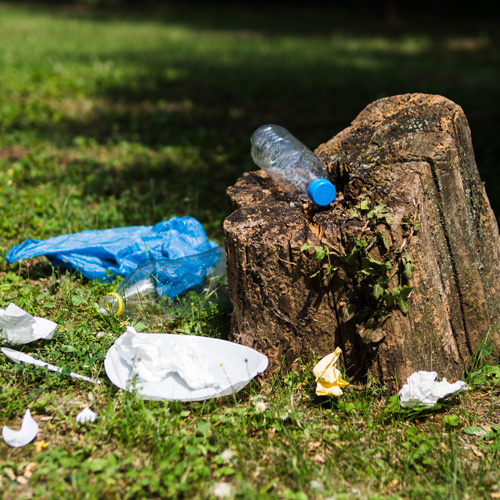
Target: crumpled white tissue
{"type": "Point", "coordinates": [153, 360]}
{"type": "Point", "coordinates": [423, 389]}
{"type": "Point", "coordinates": [26, 434]}
{"type": "Point", "coordinates": [19, 327]}
{"type": "Point", "coordinates": [86, 415]}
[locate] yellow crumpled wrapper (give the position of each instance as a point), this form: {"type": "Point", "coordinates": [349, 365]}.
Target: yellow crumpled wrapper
{"type": "Point", "coordinates": [328, 377]}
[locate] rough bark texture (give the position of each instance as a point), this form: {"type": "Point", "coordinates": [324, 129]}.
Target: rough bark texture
{"type": "Point", "coordinates": [411, 213]}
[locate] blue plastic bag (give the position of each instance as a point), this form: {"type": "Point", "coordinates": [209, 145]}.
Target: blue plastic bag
{"type": "Point", "coordinates": [102, 254]}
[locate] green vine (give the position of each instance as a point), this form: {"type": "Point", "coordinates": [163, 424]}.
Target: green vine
{"type": "Point", "coordinates": [372, 277]}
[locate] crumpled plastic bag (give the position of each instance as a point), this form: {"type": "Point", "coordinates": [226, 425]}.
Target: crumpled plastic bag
{"type": "Point", "coordinates": [424, 390]}
{"type": "Point", "coordinates": [102, 254]}
{"type": "Point", "coordinates": [19, 327]}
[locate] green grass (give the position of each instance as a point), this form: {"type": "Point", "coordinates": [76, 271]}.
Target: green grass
{"type": "Point", "coordinates": [115, 119]}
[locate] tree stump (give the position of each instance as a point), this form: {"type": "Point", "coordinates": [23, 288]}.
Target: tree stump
{"type": "Point", "coordinates": [401, 271]}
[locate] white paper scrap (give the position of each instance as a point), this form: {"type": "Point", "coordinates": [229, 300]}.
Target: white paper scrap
{"type": "Point", "coordinates": [423, 389]}
{"type": "Point", "coordinates": [26, 434]}
{"type": "Point", "coordinates": [19, 327]}
{"type": "Point", "coordinates": [86, 415]}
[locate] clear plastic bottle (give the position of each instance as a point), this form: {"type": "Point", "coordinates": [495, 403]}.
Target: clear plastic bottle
{"type": "Point", "coordinates": [167, 287]}
{"type": "Point", "coordinates": [291, 164]}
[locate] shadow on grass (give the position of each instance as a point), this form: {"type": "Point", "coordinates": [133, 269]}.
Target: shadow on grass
{"type": "Point", "coordinates": [310, 70]}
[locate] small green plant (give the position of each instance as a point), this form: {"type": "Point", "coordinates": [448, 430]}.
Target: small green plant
{"type": "Point", "coordinates": [420, 449]}
{"type": "Point", "coordinates": [452, 420]}
{"type": "Point", "coordinates": [482, 372]}
{"type": "Point", "coordinates": [372, 277]}
{"type": "Point", "coordinates": [321, 253]}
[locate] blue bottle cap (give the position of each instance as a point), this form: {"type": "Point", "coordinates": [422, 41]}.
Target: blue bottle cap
{"type": "Point", "coordinates": [322, 192]}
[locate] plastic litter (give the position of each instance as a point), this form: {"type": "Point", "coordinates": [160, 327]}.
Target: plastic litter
{"type": "Point", "coordinates": [424, 390]}
{"type": "Point", "coordinates": [86, 416]}
{"type": "Point", "coordinates": [21, 357]}
{"type": "Point", "coordinates": [26, 434]}
{"type": "Point", "coordinates": [19, 327]}
{"type": "Point", "coordinates": [180, 367]}
{"type": "Point", "coordinates": [167, 286]}
{"type": "Point", "coordinates": [102, 254]}
{"type": "Point", "coordinates": [291, 164]}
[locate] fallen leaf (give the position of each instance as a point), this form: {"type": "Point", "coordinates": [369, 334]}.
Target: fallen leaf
{"type": "Point", "coordinates": [9, 473]}
{"type": "Point", "coordinates": [313, 445]}
{"type": "Point", "coordinates": [28, 470]}
{"type": "Point", "coordinates": [443, 448]}
{"type": "Point", "coordinates": [319, 458]}
{"type": "Point", "coordinates": [477, 452]}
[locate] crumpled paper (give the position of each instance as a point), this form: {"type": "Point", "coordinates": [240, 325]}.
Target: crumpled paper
{"type": "Point", "coordinates": [86, 415]}
{"type": "Point", "coordinates": [19, 327]}
{"type": "Point", "coordinates": [26, 434]}
{"type": "Point", "coordinates": [424, 390]}
{"type": "Point", "coordinates": [328, 377]}
{"type": "Point", "coordinates": [152, 364]}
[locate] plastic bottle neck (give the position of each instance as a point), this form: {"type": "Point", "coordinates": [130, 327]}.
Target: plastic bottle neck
{"type": "Point", "coordinates": [111, 304]}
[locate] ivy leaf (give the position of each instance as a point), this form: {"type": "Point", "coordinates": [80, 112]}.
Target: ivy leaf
{"type": "Point", "coordinates": [376, 211]}
{"type": "Point", "coordinates": [378, 291]}
{"type": "Point", "coordinates": [401, 296]}
{"type": "Point", "coordinates": [407, 264]}
{"type": "Point", "coordinates": [380, 212]}
{"type": "Point", "coordinates": [383, 239]}
{"type": "Point", "coordinates": [363, 205]}
{"type": "Point", "coordinates": [320, 252]}
{"type": "Point", "coordinates": [354, 213]}
{"type": "Point", "coordinates": [371, 266]}
{"type": "Point", "coordinates": [408, 270]}
{"type": "Point", "coordinates": [350, 258]}
{"type": "Point", "coordinates": [305, 247]}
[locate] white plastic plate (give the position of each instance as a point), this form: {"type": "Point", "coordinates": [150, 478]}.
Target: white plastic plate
{"type": "Point", "coordinates": [232, 365]}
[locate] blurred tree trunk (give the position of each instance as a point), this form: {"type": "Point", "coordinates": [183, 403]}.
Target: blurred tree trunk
{"type": "Point", "coordinates": [402, 270]}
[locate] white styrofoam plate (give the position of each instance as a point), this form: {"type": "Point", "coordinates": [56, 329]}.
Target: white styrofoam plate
{"type": "Point", "coordinates": [232, 365]}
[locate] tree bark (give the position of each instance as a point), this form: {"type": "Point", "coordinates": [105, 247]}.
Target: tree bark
{"type": "Point", "coordinates": [410, 281]}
